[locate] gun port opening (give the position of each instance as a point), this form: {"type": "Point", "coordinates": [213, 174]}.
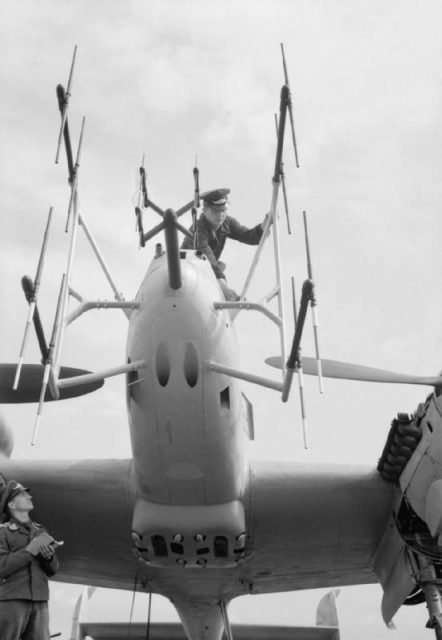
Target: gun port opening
{"type": "Point", "coordinates": [224, 398]}
{"type": "Point", "coordinates": [159, 546]}
{"type": "Point", "coordinates": [220, 547]}
{"type": "Point", "coordinates": [177, 548]}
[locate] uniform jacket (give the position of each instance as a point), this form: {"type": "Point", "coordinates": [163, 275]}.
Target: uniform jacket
{"type": "Point", "coordinates": [211, 241]}
{"type": "Point", "coordinates": [22, 575]}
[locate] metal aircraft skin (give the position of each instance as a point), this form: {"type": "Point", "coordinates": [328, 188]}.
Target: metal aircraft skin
{"type": "Point", "coordinates": [191, 516]}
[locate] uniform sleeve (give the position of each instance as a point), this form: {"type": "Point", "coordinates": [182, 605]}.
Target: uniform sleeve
{"type": "Point", "coordinates": [50, 567]}
{"type": "Point", "coordinates": [203, 244]}
{"type": "Point", "coordinates": [248, 236]}
{"type": "Point", "coordinates": [11, 561]}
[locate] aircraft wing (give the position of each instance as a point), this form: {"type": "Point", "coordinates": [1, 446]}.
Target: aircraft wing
{"type": "Point", "coordinates": [88, 505]}
{"type": "Point", "coordinates": [309, 526]}
{"type": "Point", "coordinates": [314, 525]}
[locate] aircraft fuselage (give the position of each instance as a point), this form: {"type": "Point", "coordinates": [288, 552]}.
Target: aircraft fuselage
{"type": "Point", "coordinates": [187, 425]}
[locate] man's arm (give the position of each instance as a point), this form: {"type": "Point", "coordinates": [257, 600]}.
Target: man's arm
{"type": "Point", "coordinates": [11, 561]}
{"type": "Point", "coordinates": [49, 565]}
{"type": "Point", "coordinates": [238, 232]}
{"type": "Point", "coordinates": [204, 238]}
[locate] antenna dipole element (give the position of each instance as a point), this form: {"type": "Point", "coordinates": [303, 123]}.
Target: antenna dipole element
{"type": "Point", "coordinates": [75, 176]}
{"type": "Point", "coordinates": [32, 301]}
{"type": "Point", "coordinates": [313, 305]}
{"type": "Point", "coordinates": [300, 372]}
{"type": "Point", "coordinates": [64, 112]}
{"type": "Point", "coordinates": [196, 203]}
{"type": "Point", "coordinates": [284, 192]}
{"type": "Point", "coordinates": [49, 359]}
{"type": "Point", "coordinates": [292, 121]}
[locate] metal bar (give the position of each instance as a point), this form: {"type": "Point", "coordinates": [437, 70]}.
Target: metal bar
{"type": "Point", "coordinates": [281, 305]}
{"type": "Point", "coordinates": [270, 295]}
{"type": "Point", "coordinates": [305, 299]}
{"type": "Point", "coordinates": [98, 375]}
{"type": "Point", "coordinates": [300, 371]}
{"type": "Point", "coordinates": [33, 300]}
{"type": "Point", "coordinates": [153, 232]}
{"type": "Point", "coordinates": [28, 287]}
{"type": "Point", "coordinates": [184, 230]}
{"type": "Point", "coordinates": [139, 226]}
{"type": "Point", "coordinates": [281, 131]}
{"type": "Point", "coordinates": [249, 306]}
{"type": "Point", "coordinates": [71, 252]}
{"type": "Point", "coordinates": [75, 180]}
{"type": "Point", "coordinates": [292, 121]}
{"type": "Point", "coordinates": [184, 209]}
{"type": "Point", "coordinates": [294, 360]}
{"type": "Point", "coordinates": [196, 204]}
{"type": "Point", "coordinates": [313, 305]}
{"type": "Point", "coordinates": [118, 295]}
{"type": "Point", "coordinates": [143, 183]}
{"type": "Point", "coordinates": [261, 242]}
{"type": "Point", "coordinates": [242, 375]}
{"type": "Point", "coordinates": [61, 97]}
{"type": "Point", "coordinates": [64, 111]}
{"type": "Point", "coordinates": [48, 362]}
{"type": "Point", "coordinates": [295, 311]}
{"type": "Point", "coordinates": [284, 191]}
{"type": "Point", "coordinates": [276, 182]}
{"type": "Point", "coordinates": [75, 294]}
{"type": "Point", "coordinates": [301, 399]}
{"type": "Point", "coordinates": [153, 206]}
{"type": "Point", "coordinates": [99, 304]}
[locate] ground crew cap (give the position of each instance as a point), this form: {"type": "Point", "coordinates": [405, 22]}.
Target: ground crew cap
{"type": "Point", "coordinates": [8, 491]}
{"type": "Point", "coordinates": [215, 198]}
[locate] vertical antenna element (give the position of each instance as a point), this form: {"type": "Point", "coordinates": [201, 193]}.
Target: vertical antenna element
{"type": "Point", "coordinates": [142, 203]}
{"type": "Point", "coordinates": [33, 301]}
{"type": "Point", "coordinates": [300, 372]}
{"type": "Point", "coordinates": [48, 362]}
{"type": "Point", "coordinates": [64, 112]}
{"type": "Point", "coordinates": [284, 192]}
{"type": "Point", "coordinates": [196, 203]}
{"type": "Point", "coordinates": [313, 305]}
{"type": "Point", "coordinates": [292, 122]}
{"type": "Point", "coordinates": [143, 185]}
{"type": "Point", "coordinates": [74, 181]}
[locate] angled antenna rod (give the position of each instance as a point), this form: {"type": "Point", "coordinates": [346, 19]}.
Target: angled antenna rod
{"type": "Point", "coordinates": [33, 301]}
{"type": "Point", "coordinates": [64, 108]}
{"type": "Point", "coordinates": [196, 202]}
{"type": "Point", "coordinates": [292, 121]}
{"type": "Point", "coordinates": [142, 203]}
{"type": "Point", "coordinates": [48, 362]}
{"type": "Point", "coordinates": [313, 305]}
{"type": "Point", "coordinates": [284, 191]}
{"type": "Point", "coordinates": [74, 182]}
{"type": "Point", "coordinates": [281, 130]}
{"type": "Point", "coordinates": [143, 185]}
{"type": "Point", "coordinates": [300, 372]}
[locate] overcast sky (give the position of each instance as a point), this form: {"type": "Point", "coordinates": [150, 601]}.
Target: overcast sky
{"type": "Point", "coordinates": [173, 80]}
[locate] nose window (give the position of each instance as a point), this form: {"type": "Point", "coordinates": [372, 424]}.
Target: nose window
{"type": "Point", "coordinates": [191, 364]}
{"type": "Point", "coordinates": [163, 364]}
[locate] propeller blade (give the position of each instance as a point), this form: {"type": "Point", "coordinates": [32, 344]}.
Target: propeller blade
{"type": "Point", "coordinates": [348, 371]}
